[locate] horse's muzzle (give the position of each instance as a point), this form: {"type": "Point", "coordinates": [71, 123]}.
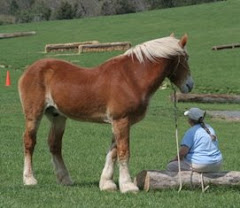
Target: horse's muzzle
{"type": "Point", "coordinates": [188, 85]}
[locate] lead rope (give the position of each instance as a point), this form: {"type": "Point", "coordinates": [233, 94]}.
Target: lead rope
{"type": "Point", "coordinates": [176, 135]}
{"type": "Point", "coordinates": [202, 184]}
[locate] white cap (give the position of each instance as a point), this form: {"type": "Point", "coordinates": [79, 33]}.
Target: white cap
{"type": "Point", "coordinates": [195, 114]}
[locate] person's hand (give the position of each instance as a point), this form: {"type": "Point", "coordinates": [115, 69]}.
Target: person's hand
{"type": "Point", "coordinates": [175, 159]}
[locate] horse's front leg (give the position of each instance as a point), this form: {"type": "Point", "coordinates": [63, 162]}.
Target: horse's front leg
{"type": "Point", "coordinates": [106, 180]}
{"type": "Point", "coordinates": [121, 128]}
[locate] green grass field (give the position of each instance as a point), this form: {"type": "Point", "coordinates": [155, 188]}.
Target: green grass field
{"type": "Point", "coordinates": [152, 140]}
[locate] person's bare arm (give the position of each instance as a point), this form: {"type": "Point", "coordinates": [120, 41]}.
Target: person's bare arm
{"type": "Point", "coordinates": [182, 152]}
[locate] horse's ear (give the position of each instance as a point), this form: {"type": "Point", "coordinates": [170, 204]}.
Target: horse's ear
{"type": "Point", "coordinates": [183, 41]}
{"type": "Point", "coordinates": [172, 35]}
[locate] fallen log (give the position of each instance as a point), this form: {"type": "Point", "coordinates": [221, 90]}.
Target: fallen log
{"type": "Point", "coordinates": [207, 98]}
{"type": "Point", "coordinates": [229, 46]}
{"type": "Point", "coordinates": [227, 115]}
{"type": "Point", "coordinates": [67, 46]}
{"type": "Point", "coordinates": [157, 179]}
{"type": "Point", "coordinates": [115, 46]}
{"type": "Point", "coordinates": [16, 34]}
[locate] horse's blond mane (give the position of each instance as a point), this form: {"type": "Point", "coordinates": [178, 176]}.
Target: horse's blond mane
{"type": "Point", "coordinates": [158, 48]}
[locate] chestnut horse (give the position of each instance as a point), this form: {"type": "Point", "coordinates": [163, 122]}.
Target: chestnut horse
{"type": "Point", "coordinates": [116, 92]}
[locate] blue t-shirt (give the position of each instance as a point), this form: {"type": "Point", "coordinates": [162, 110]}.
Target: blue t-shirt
{"type": "Point", "coordinates": [202, 149]}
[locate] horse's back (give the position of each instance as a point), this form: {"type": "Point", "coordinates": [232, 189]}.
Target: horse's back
{"type": "Point", "coordinates": [41, 71]}
{"type": "Point", "coordinates": [34, 83]}
{"type": "Point", "coordinates": [43, 66]}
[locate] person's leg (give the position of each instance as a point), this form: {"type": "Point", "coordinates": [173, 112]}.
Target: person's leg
{"type": "Point", "coordinates": [207, 168]}
{"type": "Point", "coordinates": [173, 166]}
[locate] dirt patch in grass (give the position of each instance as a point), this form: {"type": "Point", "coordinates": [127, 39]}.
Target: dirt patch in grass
{"type": "Point", "coordinates": [226, 115]}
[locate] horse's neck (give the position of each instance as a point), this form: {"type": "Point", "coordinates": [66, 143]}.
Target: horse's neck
{"type": "Point", "coordinates": [145, 77]}
{"type": "Point", "coordinates": [150, 74]}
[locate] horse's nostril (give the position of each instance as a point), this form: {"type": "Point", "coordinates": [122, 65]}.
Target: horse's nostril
{"type": "Point", "coordinates": [189, 87]}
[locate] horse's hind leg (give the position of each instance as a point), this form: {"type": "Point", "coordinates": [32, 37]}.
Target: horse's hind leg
{"type": "Point", "coordinates": [29, 144]}
{"type": "Point", "coordinates": [106, 180]}
{"type": "Point", "coordinates": [55, 145]}
{"type": "Point", "coordinates": [32, 97]}
{"type": "Point", "coordinates": [33, 111]}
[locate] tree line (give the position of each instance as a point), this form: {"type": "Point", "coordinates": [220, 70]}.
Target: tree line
{"type": "Point", "coordinates": [22, 11]}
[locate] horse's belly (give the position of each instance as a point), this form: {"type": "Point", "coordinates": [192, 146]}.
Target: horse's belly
{"type": "Point", "coordinates": [96, 117]}
{"type": "Point", "coordinates": [81, 111]}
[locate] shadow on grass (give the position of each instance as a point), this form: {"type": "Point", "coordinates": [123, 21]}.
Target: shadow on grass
{"type": "Point", "coordinates": [86, 184]}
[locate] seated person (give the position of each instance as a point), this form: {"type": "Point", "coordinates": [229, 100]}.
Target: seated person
{"type": "Point", "coordinates": [199, 150]}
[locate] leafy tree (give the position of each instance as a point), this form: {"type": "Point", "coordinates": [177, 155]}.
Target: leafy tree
{"type": "Point", "coordinates": [124, 6]}
{"type": "Point", "coordinates": [108, 8]}
{"type": "Point", "coordinates": [41, 11]}
{"type": "Point", "coordinates": [25, 16]}
{"type": "Point", "coordinates": [13, 7]}
{"type": "Point", "coordinates": [65, 11]}
{"type": "Point", "coordinates": [167, 3]}
{"type": "Point", "coordinates": [79, 10]}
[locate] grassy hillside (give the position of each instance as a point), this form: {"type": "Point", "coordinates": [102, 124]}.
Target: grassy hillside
{"type": "Point", "coordinates": [153, 142]}
{"type": "Point", "coordinates": [206, 25]}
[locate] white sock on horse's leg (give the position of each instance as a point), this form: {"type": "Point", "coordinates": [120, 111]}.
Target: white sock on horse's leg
{"type": "Point", "coordinates": [28, 177]}
{"type": "Point", "coordinates": [125, 182]}
{"type": "Point", "coordinates": [106, 180]}
{"type": "Point", "coordinates": [29, 144]}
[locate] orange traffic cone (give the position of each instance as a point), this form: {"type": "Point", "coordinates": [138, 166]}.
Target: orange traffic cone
{"type": "Point", "coordinates": [8, 81]}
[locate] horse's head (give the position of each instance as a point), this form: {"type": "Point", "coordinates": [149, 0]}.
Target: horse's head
{"type": "Point", "coordinates": [180, 73]}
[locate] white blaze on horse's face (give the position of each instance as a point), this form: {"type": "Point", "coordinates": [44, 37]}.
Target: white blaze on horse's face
{"type": "Point", "coordinates": [187, 85]}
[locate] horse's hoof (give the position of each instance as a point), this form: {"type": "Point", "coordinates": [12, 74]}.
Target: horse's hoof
{"type": "Point", "coordinates": [108, 185]}
{"type": "Point", "coordinates": [129, 188]}
{"type": "Point", "coordinates": [29, 181]}
{"type": "Point", "coordinates": [66, 181]}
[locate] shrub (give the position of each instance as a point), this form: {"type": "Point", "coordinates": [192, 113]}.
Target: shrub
{"type": "Point", "coordinates": [41, 11]}
{"type": "Point", "coordinates": [25, 16]}
{"type": "Point", "coordinates": [108, 8]}
{"type": "Point", "coordinates": [13, 8]}
{"type": "Point", "coordinates": [65, 11]}
{"type": "Point", "coordinates": [7, 19]}
{"type": "Point", "coordinates": [124, 7]}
